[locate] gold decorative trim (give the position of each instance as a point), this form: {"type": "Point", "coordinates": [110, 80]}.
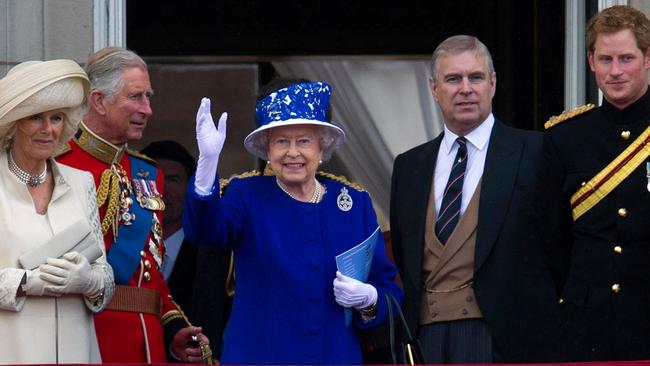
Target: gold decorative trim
{"type": "Point", "coordinates": [223, 182]}
{"type": "Point", "coordinates": [611, 176]}
{"type": "Point", "coordinates": [169, 316]}
{"type": "Point", "coordinates": [96, 146]}
{"type": "Point", "coordinates": [65, 149]}
{"type": "Point", "coordinates": [142, 156]}
{"type": "Point", "coordinates": [567, 115]}
{"type": "Point", "coordinates": [109, 189]}
{"type": "Point", "coordinates": [340, 179]}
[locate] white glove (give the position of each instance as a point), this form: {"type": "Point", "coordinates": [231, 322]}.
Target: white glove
{"type": "Point", "coordinates": [35, 286]}
{"type": "Point", "coordinates": [210, 140]}
{"type": "Point", "coordinates": [71, 274]}
{"type": "Point", "coordinates": [351, 293]}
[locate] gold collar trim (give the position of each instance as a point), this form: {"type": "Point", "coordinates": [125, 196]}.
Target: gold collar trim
{"type": "Point", "coordinates": [97, 147]}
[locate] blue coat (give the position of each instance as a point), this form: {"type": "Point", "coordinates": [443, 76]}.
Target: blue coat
{"type": "Point", "coordinates": [284, 309]}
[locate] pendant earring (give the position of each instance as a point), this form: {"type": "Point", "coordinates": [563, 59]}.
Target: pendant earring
{"type": "Point", "coordinates": [320, 162]}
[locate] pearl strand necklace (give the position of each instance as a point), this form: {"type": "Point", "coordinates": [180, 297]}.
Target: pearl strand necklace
{"type": "Point", "coordinates": [23, 176]}
{"type": "Point", "coordinates": [315, 198]}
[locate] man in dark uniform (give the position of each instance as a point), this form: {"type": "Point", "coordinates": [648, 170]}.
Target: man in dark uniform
{"type": "Point", "coordinates": [196, 275]}
{"type": "Point", "coordinates": [594, 199]}
{"type": "Point", "coordinates": [141, 324]}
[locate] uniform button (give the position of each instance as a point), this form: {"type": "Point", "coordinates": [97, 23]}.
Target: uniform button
{"type": "Point", "coordinates": [315, 297]}
{"type": "Point", "coordinates": [147, 264]}
{"type": "Point", "coordinates": [561, 301]}
{"type": "Point", "coordinates": [469, 298]}
{"type": "Point", "coordinates": [616, 288]}
{"type": "Point", "coordinates": [464, 311]}
{"type": "Point", "coordinates": [625, 135]}
{"type": "Point", "coordinates": [583, 184]}
{"type": "Point", "coordinates": [147, 277]}
{"type": "Point", "coordinates": [622, 212]}
{"type": "Point", "coordinates": [311, 236]}
{"type": "Point", "coordinates": [618, 249]}
{"type": "Point", "coordinates": [142, 253]}
{"type": "Point", "coordinates": [313, 329]}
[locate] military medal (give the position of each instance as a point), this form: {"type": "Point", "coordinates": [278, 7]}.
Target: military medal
{"type": "Point", "coordinates": [344, 201]}
{"type": "Point", "coordinates": [155, 253]}
{"type": "Point", "coordinates": [156, 229]}
{"type": "Point", "coordinates": [647, 174]}
{"type": "Point", "coordinates": [147, 195]}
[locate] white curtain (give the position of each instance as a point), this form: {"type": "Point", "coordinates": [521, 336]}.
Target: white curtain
{"type": "Point", "coordinates": [384, 107]}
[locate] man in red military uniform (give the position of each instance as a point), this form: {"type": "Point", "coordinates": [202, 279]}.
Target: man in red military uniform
{"type": "Point", "coordinates": [142, 323]}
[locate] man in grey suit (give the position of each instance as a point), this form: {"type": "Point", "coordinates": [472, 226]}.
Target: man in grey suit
{"type": "Point", "coordinates": [460, 206]}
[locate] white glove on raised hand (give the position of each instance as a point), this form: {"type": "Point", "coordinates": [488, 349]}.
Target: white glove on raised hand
{"type": "Point", "coordinates": [35, 286]}
{"type": "Point", "coordinates": [210, 140]}
{"type": "Point", "coordinates": [71, 274]}
{"type": "Point", "coordinates": [351, 293]}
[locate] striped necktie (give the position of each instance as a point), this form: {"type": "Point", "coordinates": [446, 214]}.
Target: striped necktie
{"type": "Point", "coordinates": [453, 195]}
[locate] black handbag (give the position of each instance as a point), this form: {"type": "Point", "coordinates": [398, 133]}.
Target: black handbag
{"type": "Point", "coordinates": [411, 351]}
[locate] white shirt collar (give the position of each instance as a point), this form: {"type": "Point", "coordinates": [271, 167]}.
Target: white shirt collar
{"type": "Point", "coordinates": [478, 137]}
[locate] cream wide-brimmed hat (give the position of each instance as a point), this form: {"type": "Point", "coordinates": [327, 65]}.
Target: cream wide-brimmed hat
{"type": "Point", "coordinates": [34, 87]}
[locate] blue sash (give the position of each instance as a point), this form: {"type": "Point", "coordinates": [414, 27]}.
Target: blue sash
{"type": "Point", "coordinates": [124, 255]}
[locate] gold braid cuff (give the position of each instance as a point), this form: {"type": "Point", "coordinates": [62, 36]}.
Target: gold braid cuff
{"type": "Point", "coordinates": [206, 351]}
{"type": "Point", "coordinates": [611, 176]}
{"type": "Point", "coordinates": [169, 316]}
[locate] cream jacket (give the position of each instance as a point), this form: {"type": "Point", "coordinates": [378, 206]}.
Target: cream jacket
{"type": "Point", "coordinates": [46, 329]}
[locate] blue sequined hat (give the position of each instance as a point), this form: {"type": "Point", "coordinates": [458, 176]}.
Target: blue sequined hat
{"type": "Point", "coordinates": [298, 104]}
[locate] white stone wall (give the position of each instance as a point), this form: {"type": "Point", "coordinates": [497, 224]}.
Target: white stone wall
{"type": "Point", "coordinates": [44, 30]}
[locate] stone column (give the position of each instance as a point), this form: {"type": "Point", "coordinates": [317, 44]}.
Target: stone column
{"type": "Point", "coordinates": [45, 30]}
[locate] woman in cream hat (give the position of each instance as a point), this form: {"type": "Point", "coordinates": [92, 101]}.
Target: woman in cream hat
{"type": "Point", "coordinates": [291, 304]}
{"type": "Point", "coordinates": [53, 269]}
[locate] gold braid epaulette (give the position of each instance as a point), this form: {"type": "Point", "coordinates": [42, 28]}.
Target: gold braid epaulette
{"type": "Point", "coordinates": [109, 183]}
{"type": "Point", "coordinates": [142, 156]}
{"type": "Point", "coordinates": [567, 115]}
{"type": "Point", "coordinates": [340, 179]}
{"type": "Point", "coordinates": [223, 182]}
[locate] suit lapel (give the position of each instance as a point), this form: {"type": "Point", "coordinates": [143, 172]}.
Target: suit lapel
{"type": "Point", "coordinates": [499, 176]}
{"type": "Point", "coordinates": [423, 169]}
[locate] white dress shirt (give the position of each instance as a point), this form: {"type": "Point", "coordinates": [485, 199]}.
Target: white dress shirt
{"type": "Point", "coordinates": [477, 147]}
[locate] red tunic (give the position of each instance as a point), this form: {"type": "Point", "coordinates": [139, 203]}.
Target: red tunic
{"type": "Point", "coordinates": [128, 337]}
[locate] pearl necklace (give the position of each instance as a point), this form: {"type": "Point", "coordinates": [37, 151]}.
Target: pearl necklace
{"type": "Point", "coordinates": [315, 198]}
{"type": "Point", "coordinates": [23, 176]}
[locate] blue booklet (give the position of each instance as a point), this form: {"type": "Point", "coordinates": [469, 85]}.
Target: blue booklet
{"type": "Point", "coordinates": [356, 261]}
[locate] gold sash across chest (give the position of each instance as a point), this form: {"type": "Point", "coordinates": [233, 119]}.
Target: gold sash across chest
{"type": "Point", "coordinates": [609, 178]}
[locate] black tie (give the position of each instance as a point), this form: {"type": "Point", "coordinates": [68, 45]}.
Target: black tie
{"type": "Point", "coordinates": [451, 199]}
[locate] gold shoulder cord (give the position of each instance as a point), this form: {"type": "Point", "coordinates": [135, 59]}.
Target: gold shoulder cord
{"type": "Point", "coordinates": [340, 179]}
{"type": "Point", "coordinates": [567, 115]}
{"type": "Point", "coordinates": [223, 182]}
{"type": "Point", "coordinates": [206, 351]}
{"type": "Point", "coordinates": [109, 188]}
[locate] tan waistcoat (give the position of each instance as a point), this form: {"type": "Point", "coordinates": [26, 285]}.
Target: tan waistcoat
{"type": "Point", "coordinates": [448, 270]}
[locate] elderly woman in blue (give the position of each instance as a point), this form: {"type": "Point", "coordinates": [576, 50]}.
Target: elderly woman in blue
{"type": "Point", "coordinates": [285, 231]}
